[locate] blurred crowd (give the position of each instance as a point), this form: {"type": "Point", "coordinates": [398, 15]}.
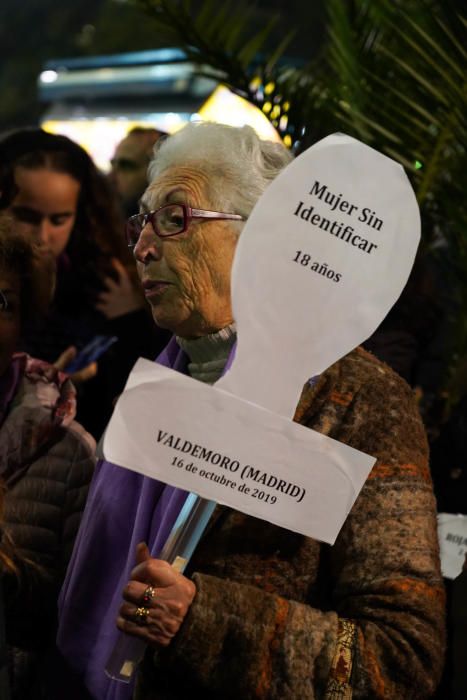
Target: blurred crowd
{"type": "Point", "coordinates": [73, 321]}
{"type": "Point", "coordinates": [69, 292]}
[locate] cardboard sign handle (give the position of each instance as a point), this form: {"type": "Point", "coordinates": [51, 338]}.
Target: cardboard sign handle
{"type": "Point", "coordinates": [178, 549]}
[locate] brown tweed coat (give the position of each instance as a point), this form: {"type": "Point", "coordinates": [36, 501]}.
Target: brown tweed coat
{"type": "Point", "coordinates": [281, 616]}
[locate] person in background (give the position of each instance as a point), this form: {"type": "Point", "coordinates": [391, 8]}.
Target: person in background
{"type": "Point", "coordinates": [60, 200]}
{"type": "Point", "coordinates": [130, 166]}
{"type": "Point", "coordinates": [458, 619]}
{"type": "Point", "coordinates": [261, 612]}
{"type": "Point", "coordinates": [448, 461]}
{"type": "Point", "coordinates": [46, 464]}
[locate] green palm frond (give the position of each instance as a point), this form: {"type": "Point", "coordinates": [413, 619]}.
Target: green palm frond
{"type": "Point", "coordinates": [216, 36]}
{"type": "Point", "coordinates": [411, 103]}
{"type": "Point", "coordinates": [411, 97]}
{"type": "Point", "coordinates": [392, 73]}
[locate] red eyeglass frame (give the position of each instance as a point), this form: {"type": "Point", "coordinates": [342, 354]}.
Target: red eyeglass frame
{"type": "Point", "coordinates": [189, 213]}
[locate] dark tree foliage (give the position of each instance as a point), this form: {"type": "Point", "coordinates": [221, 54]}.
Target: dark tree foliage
{"type": "Point", "coordinates": [389, 72]}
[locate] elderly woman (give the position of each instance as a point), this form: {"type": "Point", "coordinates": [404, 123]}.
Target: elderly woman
{"type": "Point", "coordinates": [260, 612]}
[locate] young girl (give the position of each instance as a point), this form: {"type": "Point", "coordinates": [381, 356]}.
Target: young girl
{"type": "Point", "coordinates": [60, 200]}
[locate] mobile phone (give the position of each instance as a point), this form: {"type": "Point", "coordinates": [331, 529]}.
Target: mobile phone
{"type": "Point", "coordinates": [96, 347]}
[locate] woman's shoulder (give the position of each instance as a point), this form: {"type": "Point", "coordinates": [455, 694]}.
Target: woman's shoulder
{"type": "Point", "coordinates": [357, 389]}
{"type": "Point", "coordinates": [54, 395]}
{"type": "Point", "coordinates": [361, 372]}
{"type": "Point", "coordinates": [42, 386]}
{"type": "Point", "coordinates": [75, 448]}
{"type": "Point", "coordinates": [360, 367]}
{"type": "Point", "coordinates": [376, 388]}
{"type": "Point", "coordinates": [39, 428]}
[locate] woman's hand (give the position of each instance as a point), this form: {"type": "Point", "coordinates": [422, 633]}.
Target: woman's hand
{"type": "Point", "coordinates": [120, 297]}
{"type": "Point", "coordinates": [157, 600]}
{"type": "Point", "coordinates": [81, 375]}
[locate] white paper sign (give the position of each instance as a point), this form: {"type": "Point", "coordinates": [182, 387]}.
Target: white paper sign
{"type": "Point", "coordinates": [325, 254]}
{"type": "Point", "coordinates": [185, 433]}
{"type": "Point", "coordinates": [452, 535]}
{"type": "Point", "coordinates": [323, 257]}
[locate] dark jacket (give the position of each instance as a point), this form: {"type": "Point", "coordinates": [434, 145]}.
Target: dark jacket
{"type": "Point", "coordinates": [49, 460]}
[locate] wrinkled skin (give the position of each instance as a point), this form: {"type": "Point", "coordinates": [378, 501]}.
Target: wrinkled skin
{"type": "Point", "coordinates": [174, 594]}
{"type": "Point", "coordinates": [195, 265]}
{"type": "Point", "coordinates": [193, 300]}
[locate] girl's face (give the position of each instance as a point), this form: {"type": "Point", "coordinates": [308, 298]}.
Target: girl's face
{"type": "Point", "coordinates": [45, 207]}
{"type": "Point", "coordinates": [10, 316]}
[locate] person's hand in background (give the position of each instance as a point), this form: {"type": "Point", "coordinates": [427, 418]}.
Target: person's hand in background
{"type": "Point", "coordinates": [81, 375]}
{"type": "Point", "coordinates": [120, 297]}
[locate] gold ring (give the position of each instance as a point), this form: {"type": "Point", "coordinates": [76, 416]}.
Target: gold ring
{"type": "Point", "coordinates": [141, 616]}
{"type": "Point", "coordinates": [148, 595]}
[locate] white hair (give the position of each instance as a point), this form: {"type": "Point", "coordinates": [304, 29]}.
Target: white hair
{"type": "Point", "coordinates": [238, 164]}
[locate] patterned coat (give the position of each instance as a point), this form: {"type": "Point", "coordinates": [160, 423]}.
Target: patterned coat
{"type": "Point", "coordinates": [281, 616]}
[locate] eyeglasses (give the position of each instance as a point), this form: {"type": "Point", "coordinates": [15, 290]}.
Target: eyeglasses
{"type": "Point", "coordinates": [170, 220]}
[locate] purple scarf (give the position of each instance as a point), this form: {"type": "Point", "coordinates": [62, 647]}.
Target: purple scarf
{"type": "Point", "coordinates": [123, 509]}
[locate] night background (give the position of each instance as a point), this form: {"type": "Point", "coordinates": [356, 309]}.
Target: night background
{"type": "Point", "coordinates": [34, 31]}
{"type": "Point", "coordinates": [390, 73]}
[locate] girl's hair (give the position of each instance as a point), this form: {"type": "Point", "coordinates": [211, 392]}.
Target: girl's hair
{"type": "Point", "coordinates": [238, 164]}
{"type": "Point", "coordinates": [35, 271]}
{"type": "Point", "coordinates": [8, 189]}
{"type": "Point", "coordinates": [97, 234]}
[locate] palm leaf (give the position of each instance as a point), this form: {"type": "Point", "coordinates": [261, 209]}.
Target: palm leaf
{"type": "Point", "coordinates": [435, 46]}
{"type": "Point", "coordinates": [256, 43]}
{"type": "Point", "coordinates": [279, 51]}
{"type": "Point", "coordinates": [391, 74]}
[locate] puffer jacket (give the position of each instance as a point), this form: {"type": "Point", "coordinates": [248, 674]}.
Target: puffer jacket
{"type": "Point", "coordinates": [47, 460]}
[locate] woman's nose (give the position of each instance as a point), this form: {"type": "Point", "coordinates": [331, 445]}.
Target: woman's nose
{"type": "Point", "coordinates": [149, 246]}
{"type": "Point", "coordinates": [45, 231]}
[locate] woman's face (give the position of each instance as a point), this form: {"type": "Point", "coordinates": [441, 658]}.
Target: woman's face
{"type": "Point", "coordinates": [186, 278]}
{"type": "Point", "coordinates": [10, 316]}
{"type": "Point", "coordinates": [45, 207]}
